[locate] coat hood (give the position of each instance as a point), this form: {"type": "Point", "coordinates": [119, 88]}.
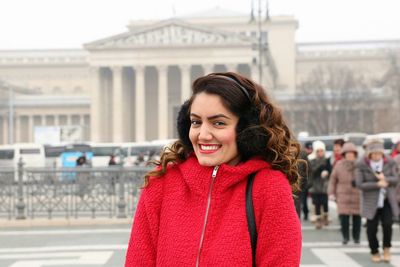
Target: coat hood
{"type": "Point", "coordinates": [198, 177]}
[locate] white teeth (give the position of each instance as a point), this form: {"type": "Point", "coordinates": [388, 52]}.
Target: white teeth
{"type": "Point", "coordinates": [209, 147]}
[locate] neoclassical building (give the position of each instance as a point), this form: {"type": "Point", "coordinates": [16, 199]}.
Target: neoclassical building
{"type": "Point", "coordinates": [129, 87]}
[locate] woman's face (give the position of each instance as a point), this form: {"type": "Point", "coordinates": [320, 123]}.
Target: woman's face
{"type": "Point", "coordinates": [376, 156]}
{"type": "Point", "coordinates": [320, 153]}
{"type": "Point", "coordinates": [350, 156]}
{"type": "Point", "coordinates": [213, 131]}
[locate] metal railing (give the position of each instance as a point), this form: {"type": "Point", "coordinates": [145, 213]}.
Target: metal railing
{"type": "Point", "coordinates": [79, 192]}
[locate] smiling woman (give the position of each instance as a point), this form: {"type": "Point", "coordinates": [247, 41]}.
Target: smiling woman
{"type": "Point", "coordinates": [192, 211]}
{"type": "Point", "coordinates": [213, 131]}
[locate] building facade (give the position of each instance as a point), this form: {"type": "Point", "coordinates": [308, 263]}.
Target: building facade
{"type": "Point", "coordinates": [129, 87]}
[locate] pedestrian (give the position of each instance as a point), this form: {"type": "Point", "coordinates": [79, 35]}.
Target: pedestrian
{"type": "Point", "coordinates": [337, 151]}
{"type": "Point", "coordinates": [320, 171]}
{"type": "Point", "coordinates": [376, 176]}
{"type": "Point", "coordinates": [342, 189]}
{"type": "Point", "coordinates": [192, 210]}
{"type": "Point", "coordinates": [81, 161]}
{"type": "Point", "coordinates": [112, 160]}
{"type": "Point", "coordinates": [305, 174]}
{"type": "Point", "coordinates": [395, 154]}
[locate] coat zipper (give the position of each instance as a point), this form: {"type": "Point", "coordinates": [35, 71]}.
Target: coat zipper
{"type": "Point", "coordinates": [214, 174]}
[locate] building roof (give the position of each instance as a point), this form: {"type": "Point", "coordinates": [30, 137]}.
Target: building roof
{"type": "Point", "coordinates": [170, 32]}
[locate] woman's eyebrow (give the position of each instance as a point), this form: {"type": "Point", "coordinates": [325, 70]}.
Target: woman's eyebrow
{"type": "Point", "coordinates": [211, 117]}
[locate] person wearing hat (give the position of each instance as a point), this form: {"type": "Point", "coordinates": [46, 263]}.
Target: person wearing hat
{"type": "Point", "coordinates": [376, 176]}
{"type": "Point", "coordinates": [342, 190]}
{"type": "Point", "coordinates": [320, 170]}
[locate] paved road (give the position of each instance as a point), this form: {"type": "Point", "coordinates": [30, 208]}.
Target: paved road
{"type": "Point", "coordinates": [104, 246]}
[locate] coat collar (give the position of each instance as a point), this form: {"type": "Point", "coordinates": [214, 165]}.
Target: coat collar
{"type": "Point", "coordinates": [198, 177]}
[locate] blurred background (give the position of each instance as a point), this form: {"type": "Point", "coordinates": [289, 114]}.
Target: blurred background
{"type": "Point", "coordinates": [117, 71]}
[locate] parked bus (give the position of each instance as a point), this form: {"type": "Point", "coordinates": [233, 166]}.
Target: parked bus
{"type": "Point", "coordinates": [32, 155]}
{"type": "Point", "coordinates": [139, 153]}
{"type": "Point", "coordinates": [102, 153]}
{"type": "Point", "coordinates": [53, 155]}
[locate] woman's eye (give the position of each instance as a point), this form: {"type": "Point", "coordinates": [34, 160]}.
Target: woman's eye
{"type": "Point", "coordinates": [194, 122]}
{"type": "Point", "coordinates": [219, 123]}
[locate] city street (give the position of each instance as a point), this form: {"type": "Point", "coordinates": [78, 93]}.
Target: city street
{"type": "Point", "coordinates": [105, 246]}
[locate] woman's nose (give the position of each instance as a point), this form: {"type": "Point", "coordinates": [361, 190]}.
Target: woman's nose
{"type": "Point", "coordinates": [205, 133]}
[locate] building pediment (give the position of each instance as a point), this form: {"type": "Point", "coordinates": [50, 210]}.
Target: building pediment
{"type": "Point", "coordinates": [170, 33]}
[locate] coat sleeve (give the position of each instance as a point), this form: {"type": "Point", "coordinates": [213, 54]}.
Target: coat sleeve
{"type": "Point", "coordinates": [392, 177]}
{"type": "Point", "coordinates": [142, 248]}
{"type": "Point", "coordinates": [361, 183]}
{"type": "Point", "coordinates": [279, 230]}
{"type": "Point", "coordinates": [333, 180]}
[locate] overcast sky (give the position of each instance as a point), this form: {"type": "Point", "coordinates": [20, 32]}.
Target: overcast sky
{"type": "Point", "coordinates": [42, 24]}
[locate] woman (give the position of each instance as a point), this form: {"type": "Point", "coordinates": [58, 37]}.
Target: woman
{"type": "Point", "coordinates": [320, 170]}
{"type": "Point", "coordinates": [395, 154]}
{"type": "Point", "coordinates": [342, 189]}
{"type": "Point", "coordinates": [376, 176]}
{"type": "Point", "coordinates": [192, 209]}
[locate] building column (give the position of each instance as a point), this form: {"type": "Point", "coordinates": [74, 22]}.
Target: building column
{"type": "Point", "coordinates": [30, 129]}
{"type": "Point", "coordinates": [5, 130]}
{"type": "Point", "coordinates": [140, 117]}
{"type": "Point", "coordinates": [17, 126]}
{"type": "Point", "coordinates": [208, 68]}
{"type": "Point", "coordinates": [56, 120]}
{"type": "Point", "coordinates": [69, 119]}
{"type": "Point", "coordinates": [162, 102]}
{"type": "Point", "coordinates": [186, 86]}
{"type": "Point", "coordinates": [117, 105]}
{"type": "Point", "coordinates": [95, 105]}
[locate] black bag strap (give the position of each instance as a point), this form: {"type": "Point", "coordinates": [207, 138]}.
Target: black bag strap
{"type": "Point", "coordinates": [251, 220]}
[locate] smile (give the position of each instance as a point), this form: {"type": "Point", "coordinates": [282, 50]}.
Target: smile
{"type": "Point", "coordinates": [209, 148]}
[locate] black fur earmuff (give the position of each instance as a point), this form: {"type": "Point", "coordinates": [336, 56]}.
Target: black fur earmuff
{"type": "Point", "coordinates": [183, 125]}
{"type": "Point", "coordinates": [251, 137]}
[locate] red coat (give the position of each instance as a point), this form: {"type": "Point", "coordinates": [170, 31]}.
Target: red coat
{"type": "Point", "coordinates": [170, 218]}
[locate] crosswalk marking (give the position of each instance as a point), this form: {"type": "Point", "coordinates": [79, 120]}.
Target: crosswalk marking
{"type": "Point", "coordinates": [64, 232]}
{"type": "Point", "coordinates": [64, 259]}
{"type": "Point", "coordinates": [64, 248]}
{"type": "Point", "coordinates": [334, 257]}
{"type": "Point", "coordinates": [327, 254]}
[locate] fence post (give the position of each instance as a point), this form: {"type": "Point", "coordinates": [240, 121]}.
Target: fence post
{"type": "Point", "coordinates": [121, 194]}
{"type": "Point", "coordinates": [20, 192]}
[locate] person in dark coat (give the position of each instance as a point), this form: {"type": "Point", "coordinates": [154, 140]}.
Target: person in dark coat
{"type": "Point", "coordinates": [377, 177]}
{"type": "Point", "coordinates": [304, 171]}
{"type": "Point", "coordinates": [320, 171]}
{"type": "Point", "coordinates": [112, 160]}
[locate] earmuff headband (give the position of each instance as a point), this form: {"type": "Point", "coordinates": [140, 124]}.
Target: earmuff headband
{"type": "Point", "coordinates": [238, 84]}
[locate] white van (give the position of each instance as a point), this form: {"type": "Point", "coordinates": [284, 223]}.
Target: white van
{"type": "Point", "coordinates": [32, 155]}
{"type": "Point", "coordinates": [102, 153]}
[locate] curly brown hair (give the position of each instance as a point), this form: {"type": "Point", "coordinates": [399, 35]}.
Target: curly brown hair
{"type": "Point", "coordinates": [261, 130]}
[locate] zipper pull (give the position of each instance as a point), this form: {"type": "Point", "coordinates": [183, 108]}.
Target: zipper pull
{"type": "Point", "coordinates": [214, 173]}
